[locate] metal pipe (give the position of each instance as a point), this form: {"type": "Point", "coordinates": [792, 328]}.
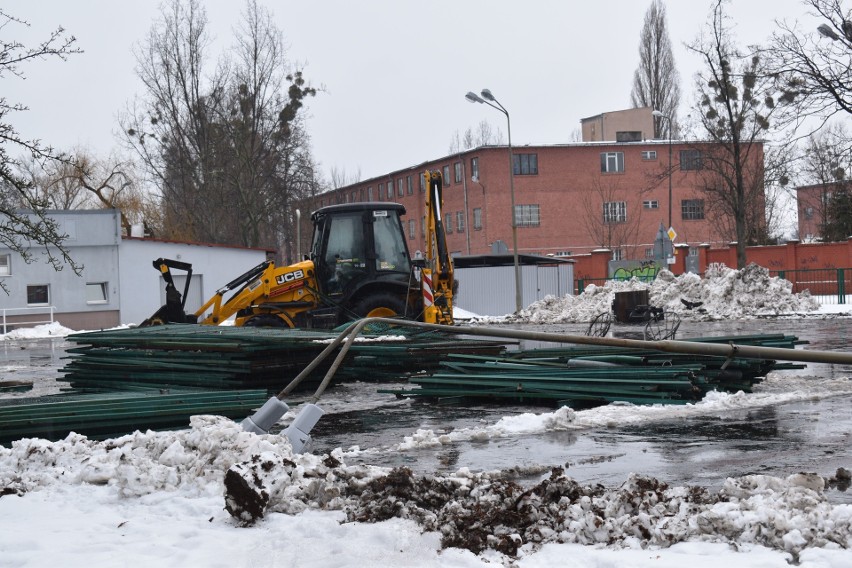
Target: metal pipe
{"type": "Point", "coordinates": [729, 350]}
{"type": "Point", "coordinates": [669, 345]}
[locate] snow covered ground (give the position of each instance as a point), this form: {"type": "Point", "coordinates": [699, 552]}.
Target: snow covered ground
{"type": "Point", "coordinates": [213, 495]}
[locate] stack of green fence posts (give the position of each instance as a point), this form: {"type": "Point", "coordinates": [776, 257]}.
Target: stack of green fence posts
{"type": "Point", "coordinates": [177, 356]}
{"type": "Point", "coordinates": [107, 415]}
{"type": "Point", "coordinates": [585, 376]}
{"type": "Point", "coordinates": [157, 377]}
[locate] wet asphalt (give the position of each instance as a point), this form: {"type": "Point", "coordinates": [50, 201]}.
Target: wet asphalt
{"type": "Point", "coordinates": [808, 436]}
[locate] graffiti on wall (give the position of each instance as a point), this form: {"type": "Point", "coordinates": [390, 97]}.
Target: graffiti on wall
{"type": "Point", "coordinates": [644, 270]}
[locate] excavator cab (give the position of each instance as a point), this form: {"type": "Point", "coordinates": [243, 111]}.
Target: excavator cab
{"type": "Point", "coordinates": [361, 259]}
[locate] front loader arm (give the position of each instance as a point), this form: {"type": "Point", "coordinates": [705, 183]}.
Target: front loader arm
{"type": "Point", "coordinates": [173, 310]}
{"type": "Point", "coordinates": [253, 288]}
{"type": "Point", "coordinates": [438, 277]}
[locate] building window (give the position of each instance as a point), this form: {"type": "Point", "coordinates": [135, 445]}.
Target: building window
{"type": "Point", "coordinates": [690, 160]}
{"type": "Point", "coordinates": [525, 164]}
{"type": "Point", "coordinates": [692, 209]}
{"type": "Point", "coordinates": [809, 214]}
{"type": "Point", "coordinates": [651, 204]}
{"type": "Point", "coordinates": [618, 254]}
{"type": "Point", "coordinates": [448, 223]}
{"type": "Point", "coordinates": [354, 197]}
{"type": "Point", "coordinates": [96, 292]}
{"type": "Point", "coordinates": [477, 218]}
{"type": "Point", "coordinates": [460, 221]}
{"type": "Point", "coordinates": [422, 183]}
{"type": "Point", "coordinates": [400, 188]}
{"type": "Point", "coordinates": [370, 193]}
{"type": "Point", "coordinates": [38, 295]}
{"type": "Point", "coordinates": [446, 175]}
{"type": "Point", "coordinates": [412, 228]}
{"type": "Point", "coordinates": [457, 167]}
{"type": "Point", "coordinates": [5, 265]}
{"type": "Point", "coordinates": [615, 212]}
{"type": "Point", "coordinates": [409, 185]}
{"type": "Point", "coordinates": [649, 154]}
{"type": "Point", "coordinates": [527, 216]}
{"type": "Point", "coordinates": [474, 169]}
{"type": "Point", "coordinates": [649, 252]}
{"type": "Point", "coordinates": [612, 162]}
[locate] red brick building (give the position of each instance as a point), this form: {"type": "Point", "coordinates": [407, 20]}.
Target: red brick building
{"type": "Point", "coordinates": [812, 203]}
{"type": "Point", "coordinates": [569, 199]}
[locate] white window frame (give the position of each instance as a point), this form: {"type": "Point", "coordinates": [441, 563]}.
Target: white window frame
{"type": "Point", "coordinates": [651, 204]}
{"type": "Point", "coordinates": [528, 215]}
{"type": "Point", "coordinates": [614, 212]}
{"type": "Point", "coordinates": [692, 209]}
{"type": "Point", "coordinates": [5, 264]}
{"type": "Point", "coordinates": [104, 289]}
{"type": "Point", "coordinates": [612, 162]}
{"type": "Point", "coordinates": [460, 221]}
{"type": "Point", "coordinates": [477, 218]}
{"type": "Point", "coordinates": [46, 286]}
{"type": "Point", "coordinates": [649, 155]}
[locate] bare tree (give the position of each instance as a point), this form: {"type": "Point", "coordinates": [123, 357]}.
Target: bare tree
{"type": "Point", "coordinates": [340, 178]}
{"type": "Point", "coordinates": [24, 218]}
{"type": "Point", "coordinates": [817, 63]}
{"type": "Point", "coordinates": [612, 215]}
{"type": "Point", "coordinates": [482, 135]}
{"type": "Point", "coordinates": [226, 145]}
{"type": "Point", "coordinates": [656, 82]}
{"type": "Point", "coordinates": [827, 163]}
{"type": "Point", "coordinates": [828, 155]}
{"type": "Point", "coordinates": [837, 225]}
{"type": "Point", "coordinates": [738, 106]}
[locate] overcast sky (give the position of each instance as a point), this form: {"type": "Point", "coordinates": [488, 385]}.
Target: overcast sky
{"type": "Point", "coordinates": [395, 71]}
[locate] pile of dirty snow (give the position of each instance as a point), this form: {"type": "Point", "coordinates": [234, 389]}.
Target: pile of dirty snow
{"type": "Point", "coordinates": [488, 511]}
{"type": "Point", "coordinates": [723, 293]}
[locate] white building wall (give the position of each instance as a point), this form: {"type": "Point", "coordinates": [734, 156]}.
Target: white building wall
{"type": "Point", "coordinates": [142, 286]}
{"type": "Point", "coordinates": [93, 239]}
{"type": "Point", "coordinates": [490, 291]}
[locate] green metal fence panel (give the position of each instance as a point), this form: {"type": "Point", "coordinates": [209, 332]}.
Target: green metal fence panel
{"type": "Point", "coordinates": [828, 285]}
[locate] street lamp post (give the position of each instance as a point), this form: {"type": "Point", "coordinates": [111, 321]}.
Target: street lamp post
{"type": "Point", "coordinates": [669, 121]}
{"type": "Point", "coordinates": [489, 99]}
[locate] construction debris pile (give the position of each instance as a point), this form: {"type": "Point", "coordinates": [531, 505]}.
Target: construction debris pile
{"type": "Point", "coordinates": [157, 377]}
{"type": "Point", "coordinates": [585, 376]}
{"type": "Point", "coordinates": [195, 356]}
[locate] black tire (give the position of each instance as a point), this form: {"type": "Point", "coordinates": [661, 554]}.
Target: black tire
{"type": "Point", "coordinates": [379, 304]}
{"type": "Point", "coordinates": [265, 320]}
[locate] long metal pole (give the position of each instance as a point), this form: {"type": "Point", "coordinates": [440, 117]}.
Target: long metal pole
{"type": "Point", "coordinates": [729, 350]}
{"type": "Point", "coordinates": [518, 290]}
{"type": "Point", "coordinates": [670, 174]}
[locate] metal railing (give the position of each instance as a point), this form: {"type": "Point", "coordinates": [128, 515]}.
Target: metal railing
{"type": "Point", "coordinates": [35, 312]}
{"type": "Point", "coordinates": [828, 285]}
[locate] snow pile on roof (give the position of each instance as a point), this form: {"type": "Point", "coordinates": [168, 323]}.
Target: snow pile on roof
{"type": "Point", "coordinates": [724, 293]}
{"type": "Point", "coordinates": [476, 511]}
